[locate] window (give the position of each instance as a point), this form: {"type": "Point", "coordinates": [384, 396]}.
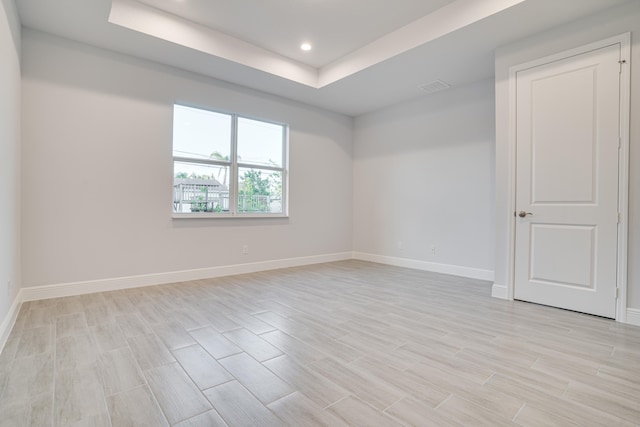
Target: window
{"type": "Point", "coordinates": [227, 165]}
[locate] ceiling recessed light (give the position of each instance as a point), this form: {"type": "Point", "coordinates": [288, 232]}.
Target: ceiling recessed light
{"type": "Point", "coordinates": [305, 46]}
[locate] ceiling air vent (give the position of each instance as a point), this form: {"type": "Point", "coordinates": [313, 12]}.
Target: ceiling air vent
{"type": "Point", "coordinates": [434, 86]}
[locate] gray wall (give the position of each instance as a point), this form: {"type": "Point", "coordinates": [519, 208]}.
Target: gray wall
{"type": "Point", "coordinates": [9, 156]}
{"type": "Point", "coordinates": [97, 170]}
{"type": "Point", "coordinates": [424, 177]}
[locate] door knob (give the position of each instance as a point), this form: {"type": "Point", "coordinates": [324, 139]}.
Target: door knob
{"type": "Point", "coordinates": [522, 214]}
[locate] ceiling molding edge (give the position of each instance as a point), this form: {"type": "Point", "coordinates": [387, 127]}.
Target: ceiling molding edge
{"type": "Point", "coordinates": [435, 25]}
{"type": "Point", "coordinates": [148, 20]}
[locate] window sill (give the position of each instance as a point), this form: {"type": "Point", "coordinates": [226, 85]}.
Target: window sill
{"type": "Point", "coordinates": [209, 215]}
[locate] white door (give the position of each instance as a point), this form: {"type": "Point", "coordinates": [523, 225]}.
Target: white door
{"type": "Point", "coordinates": [567, 142]}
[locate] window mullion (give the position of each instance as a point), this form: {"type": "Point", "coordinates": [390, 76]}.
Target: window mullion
{"type": "Point", "coordinates": [233, 182]}
{"type": "Point", "coordinates": [285, 168]}
{"type": "Point", "coordinates": [261, 167]}
{"type": "Point", "coordinates": [201, 161]}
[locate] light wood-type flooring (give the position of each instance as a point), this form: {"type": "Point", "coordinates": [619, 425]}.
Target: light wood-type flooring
{"type": "Point", "coordinates": [346, 343]}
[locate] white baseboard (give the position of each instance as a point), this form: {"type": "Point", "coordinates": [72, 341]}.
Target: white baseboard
{"type": "Point", "coordinates": [455, 270]}
{"type": "Point", "coordinates": [499, 291]}
{"type": "Point", "coordinates": [633, 316]}
{"type": "Point", "coordinates": [78, 288]}
{"type": "Point", "coordinates": [10, 319]}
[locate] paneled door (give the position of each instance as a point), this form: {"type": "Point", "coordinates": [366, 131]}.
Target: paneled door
{"type": "Point", "coordinates": [567, 142]}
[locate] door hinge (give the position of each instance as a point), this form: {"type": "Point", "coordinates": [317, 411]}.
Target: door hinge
{"type": "Point", "coordinates": [619, 217]}
{"type": "Point", "coordinates": [623, 61]}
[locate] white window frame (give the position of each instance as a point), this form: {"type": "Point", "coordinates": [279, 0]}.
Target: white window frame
{"type": "Point", "coordinates": [234, 167]}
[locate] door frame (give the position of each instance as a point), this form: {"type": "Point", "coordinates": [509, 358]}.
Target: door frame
{"type": "Point", "coordinates": [623, 161]}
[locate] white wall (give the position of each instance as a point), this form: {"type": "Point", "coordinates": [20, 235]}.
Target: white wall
{"type": "Point", "coordinates": [625, 18]}
{"type": "Point", "coordinates": [424, 176]}
{"type": "Point", "coordinates": [9, 157]}
{"type": "Point", "coordinates": [97, 170]}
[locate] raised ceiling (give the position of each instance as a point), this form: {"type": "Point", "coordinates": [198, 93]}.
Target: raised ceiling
{"type": "Point", "coordinates": [367, 54]}
{"type": "Point", "coordinates": [281, 26]}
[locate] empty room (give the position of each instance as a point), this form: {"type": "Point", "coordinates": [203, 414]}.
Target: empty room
{"type": "Point", "coordinates": [319, 213]}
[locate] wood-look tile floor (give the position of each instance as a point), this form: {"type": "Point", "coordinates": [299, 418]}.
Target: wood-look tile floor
{"type": "Point", "coordinates": [346, 343]}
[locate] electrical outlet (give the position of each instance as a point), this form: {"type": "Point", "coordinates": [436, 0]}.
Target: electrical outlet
{"type": "Point", "coordinates": [245, 249]}
{"type": "Point", "coordinates": [433, 250]}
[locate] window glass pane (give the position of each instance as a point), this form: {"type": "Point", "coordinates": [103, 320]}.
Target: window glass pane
{"type": "Point", "coordinates": [200, 188]}
{"type": "Point", "coordinates": [201, 134]}
{"type": "Point", "coordinates": [259, 143]}
{"type": "Point", "coordinates": [259, 191]}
